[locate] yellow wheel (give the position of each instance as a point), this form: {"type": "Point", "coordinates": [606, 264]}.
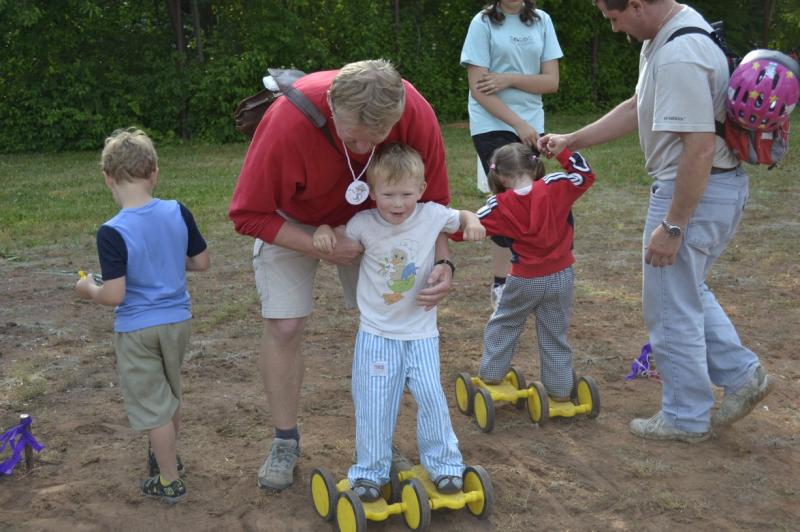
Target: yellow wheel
{"type": "Point", "coordinates": [350, 515]}
{"type": "Point", "coordinates": [477, 479]}
{"type": "Point", "coordinates": [588, 394]}
{"type": "Point", "coordinates": [323, 493]}
{"type": "Point", "coordinates": [517, 380]}
{"type": "Point", "coordinates": [484, 410]}
{"type": "Point", "coordinates": [465, 391]}
{"type": "Point", "coordinates": [538, 404]}
{"type": "Point", "coordinates": [417, 507]}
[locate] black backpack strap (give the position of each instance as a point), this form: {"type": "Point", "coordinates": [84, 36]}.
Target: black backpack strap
{"type": "Point", "coordinates": [690, 29]}
{"type": "Point", "coordinates": [285, 79]}
{"type": "Point", "coordinates": [719, 126]}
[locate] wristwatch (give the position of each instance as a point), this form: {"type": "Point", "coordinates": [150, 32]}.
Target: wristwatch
{"type": "Point", "coordinates": [449, 263]}
{"type": "Point", "coordinates": [673, 231]}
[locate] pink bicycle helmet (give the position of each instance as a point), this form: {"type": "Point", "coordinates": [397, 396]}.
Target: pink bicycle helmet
{"type": "Point", "coordinates": [763, 90]}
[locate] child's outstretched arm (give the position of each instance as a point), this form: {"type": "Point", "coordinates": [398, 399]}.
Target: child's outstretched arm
{"type": "Point", "coordinates": [324, 239]}
{"type": "Point", "coordinates": [471, 226]}
{"type": "Point", "coordinates": [110, 293]}
{"type": "Point", "coordinates": [198, 263]}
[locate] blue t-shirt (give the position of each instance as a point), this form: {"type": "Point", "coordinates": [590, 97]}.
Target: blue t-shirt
{"type": "Point", "coordinates": [149, 245]}
{"type": "Point", "coordinates": [514, 47]}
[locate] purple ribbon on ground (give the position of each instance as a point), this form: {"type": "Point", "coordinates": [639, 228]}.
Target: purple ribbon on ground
{"type": "Point", "coordinates": [643, 365]}
{"type": "Point", "coordinates": [16, 438]}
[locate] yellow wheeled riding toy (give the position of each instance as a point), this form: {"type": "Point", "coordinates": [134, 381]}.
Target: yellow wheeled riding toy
{"type": "Point", "coordinates": [473, 396]}
{"type": "Point", "coordinates": [409, 493]}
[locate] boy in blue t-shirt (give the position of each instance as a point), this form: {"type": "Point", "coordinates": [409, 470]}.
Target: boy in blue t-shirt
{"type": "Point", "coordinates": [144, 253]}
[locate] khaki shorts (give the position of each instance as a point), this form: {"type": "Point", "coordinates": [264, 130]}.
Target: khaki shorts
{"type": "Point", "coordinates": [149, 365]}
{"type": "Point", "coordinates": [285, 280]}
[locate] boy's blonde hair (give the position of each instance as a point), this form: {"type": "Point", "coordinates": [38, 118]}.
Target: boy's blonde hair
{"type": "Point", "coordinates": [129, 155]}
{"type": "Point", "coordinates": [369, 94]}
{"type": "Point", "coordinates": [394, 164]}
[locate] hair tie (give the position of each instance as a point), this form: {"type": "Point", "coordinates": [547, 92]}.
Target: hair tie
{"type": "Point", "coordinates": [492, 166]}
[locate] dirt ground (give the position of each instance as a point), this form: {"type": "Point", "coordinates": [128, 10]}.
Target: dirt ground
{"type": "Point", "coordinates": [57, 363]}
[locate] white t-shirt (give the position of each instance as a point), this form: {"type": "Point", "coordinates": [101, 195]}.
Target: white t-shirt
{"type": "Point", "coordinates": [395, 266]}
{"type": "Point", "coordinates": [682, 87]}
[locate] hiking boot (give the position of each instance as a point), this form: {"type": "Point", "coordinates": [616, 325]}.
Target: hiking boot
{"type": "Point", "coordinates": [656, 428]}
{"type": "Point", "coordinates": [154, 470]}
{"type": "Point", "coordinates": [277, 472]}
{"type": "Point", "coordinates": [738, 404]}
{"type": "Point", "coordinates": [172, 493]}
{"type": "Point", "coordinates": [496, 294]}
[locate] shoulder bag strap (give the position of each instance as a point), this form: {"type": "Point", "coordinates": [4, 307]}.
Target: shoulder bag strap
{"type": "Point", "coordinates": [285, 80]}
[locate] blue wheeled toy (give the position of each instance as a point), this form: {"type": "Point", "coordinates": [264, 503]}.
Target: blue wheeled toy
{"type": "Point", "coordinates": [409, 493]}
{"type": "Point", "coordinates": [473, 396]}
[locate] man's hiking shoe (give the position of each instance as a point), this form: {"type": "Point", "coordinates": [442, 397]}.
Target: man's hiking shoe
{"type": "Point", "coordinates": [738, 404]}
{"type": "Point", "coordinates": [154, 470]}
{"type": "Point", "coordinates": [277, 472]}
{"type": "Point", "coordinates": [657, 428]}
{"type": "Point", "coordinates": [174, 492]}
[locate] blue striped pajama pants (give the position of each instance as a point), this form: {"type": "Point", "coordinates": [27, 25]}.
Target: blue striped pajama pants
{"type": "Point", "coordinates": [381, 369]}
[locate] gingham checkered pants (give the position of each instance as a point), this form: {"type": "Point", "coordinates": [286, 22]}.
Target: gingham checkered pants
{"type": "Point", "coordinates": [549, 298]}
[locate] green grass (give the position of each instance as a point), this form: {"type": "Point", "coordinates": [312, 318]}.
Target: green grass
{"type": "Point", "coordinates": [60, 198]}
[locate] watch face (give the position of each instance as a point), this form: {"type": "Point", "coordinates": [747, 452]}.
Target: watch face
{"type": "Point", "coordinates": [673, 231]}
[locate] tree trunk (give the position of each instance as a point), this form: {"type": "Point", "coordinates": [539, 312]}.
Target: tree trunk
{"type": "Point", "coordinates": [397, 28]}
{"type": "Point", "coordinates": [198, 35]}
{"type": "Point", "coordinates": [769, 8]}
{"type": "Point", "coordinates": [176, 17]}
{"type": "Point", "coordinates": [593, 66]}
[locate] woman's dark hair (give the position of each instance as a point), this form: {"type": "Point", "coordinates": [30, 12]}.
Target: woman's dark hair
{"type": "Point", "coordinates": [512, 160]}
{"type": "Point", "coordinates": [527, 15]}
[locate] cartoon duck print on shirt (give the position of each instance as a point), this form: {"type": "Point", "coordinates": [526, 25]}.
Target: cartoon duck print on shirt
{"type": "Point", "coordinates": [399, 270]}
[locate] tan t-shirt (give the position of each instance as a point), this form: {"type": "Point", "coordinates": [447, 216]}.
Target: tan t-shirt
{"type": "Point", "coordinates": [682, 87]}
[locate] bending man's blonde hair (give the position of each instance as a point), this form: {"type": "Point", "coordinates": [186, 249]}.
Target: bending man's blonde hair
{"type": "Point", "coordinates": [369, 94]}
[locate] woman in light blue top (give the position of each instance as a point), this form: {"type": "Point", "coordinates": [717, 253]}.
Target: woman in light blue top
{"type": "Point", "coordinates": [511, 55]}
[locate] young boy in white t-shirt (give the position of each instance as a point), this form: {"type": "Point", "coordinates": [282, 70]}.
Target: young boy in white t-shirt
{"type": "Point", "coordinates": [398, 340]}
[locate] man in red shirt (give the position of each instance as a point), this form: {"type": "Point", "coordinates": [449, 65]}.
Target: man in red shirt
{"type": "Point", "coordinates": [296, 177]}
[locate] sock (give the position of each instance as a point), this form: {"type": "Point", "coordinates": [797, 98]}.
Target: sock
{"type": "Point", "coordinates": [164, 482]}
{"type": "Point", "coordinates": [499, 281]}
{"type": "Point", "coordinates": [288, 434]}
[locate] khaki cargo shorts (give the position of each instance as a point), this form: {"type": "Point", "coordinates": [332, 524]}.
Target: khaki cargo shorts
{"type": "Point", "coordinates": [149, 365]}
{"type": "Point", "coordinates": [285, 280]}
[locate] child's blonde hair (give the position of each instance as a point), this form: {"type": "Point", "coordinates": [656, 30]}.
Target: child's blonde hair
{"type": "Point", "coordinates": [513, 160]}
{"type": "Point", "coordinates": [396, 163]}
{"type": "Point", "coordinates": [128, 155]}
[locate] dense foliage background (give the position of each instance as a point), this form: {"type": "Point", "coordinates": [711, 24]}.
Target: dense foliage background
{"type": "Point", "coordinates": [71, 71]}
